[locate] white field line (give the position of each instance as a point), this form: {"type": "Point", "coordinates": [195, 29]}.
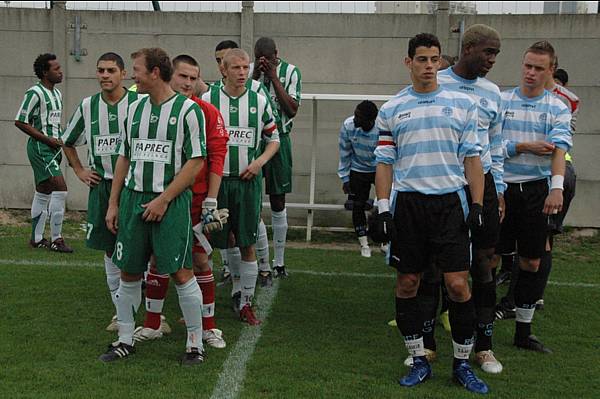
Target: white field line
{"type": "Point", "coordinates": [231, 378]}
{"type": "Point", "coordinates": [299, 271]}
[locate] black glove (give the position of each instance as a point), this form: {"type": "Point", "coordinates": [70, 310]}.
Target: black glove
{"type": "Point", "coordinates": [381, 228]}
{"type": "Point", "coordinates": [475, 218]}
{"type": "Point", "coordinates": [346, 187]}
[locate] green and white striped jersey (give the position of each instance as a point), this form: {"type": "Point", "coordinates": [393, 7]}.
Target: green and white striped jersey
{"type": "Point", "coordinates": [42, 109]}
{"type": "Point", "coordinates": [248, 118]}
{"type": "Point", "coordinates": [291, 79]}
{"type": "Point", "coordinates": [100, 124]}
{"type": "Point", "coordinates": [159, 139]}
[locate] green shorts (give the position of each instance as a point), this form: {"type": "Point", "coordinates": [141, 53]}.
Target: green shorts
{"type": "Point", "coordinates": [170, 240]}
{"type": "Point", "coordinates": [278, 171]}
{"type": "Point", "coordinates": [243, 199]}
{"type": "Point", "coordinates": [98, 236]}
{"type": "Point", "coordinates": [44, 160]}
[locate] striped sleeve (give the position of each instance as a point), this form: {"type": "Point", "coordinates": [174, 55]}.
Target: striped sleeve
{"type": "Point", "coordinates": [385, 152]}
{"type": "Point", "coordinates": [345, 155]}
{"type": "Point", "coordinates": [469, 145]}
{"type": "Point", "coordinates": [560, 135]}
{"type": "Point", "coordinates": [497, 170]}
{"type": "Point", "coordinates": [269, 131]}
{"type": "Point", "coordinates": [262, 89]}
{"type": "Point", "coordinates": [123, 148]}
{"type": "Point", "coordinates": [73, 135]}
{"type": "Point", "coordinates": [30, 101]}
{"type": "Point", "coordinates": [195, 133]}
{"type": "Point", "coordinates": [295, 85]}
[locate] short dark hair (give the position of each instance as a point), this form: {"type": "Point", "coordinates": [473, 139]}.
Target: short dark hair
{"type": "Point", "coordinates": [562, 75]}
{"type": "Point", "coordinates": [42, 64]}
{"type": "Point", "coordinates": [156, 58]}
{"type": "Point", "coordinates": [543, 47]}
{"type": "Point", "coordinates": [368, 109]}
{"type": "Point", "coordinates": [423, 40]}
{"type": "Point", "coordinates": [112, 57]}
{"type": "Point", "coordinates": [226, 44]}
{"type": "Point", "coordinates": [186, 59]}
{"type": "Point", "coordinates": [265, 46]}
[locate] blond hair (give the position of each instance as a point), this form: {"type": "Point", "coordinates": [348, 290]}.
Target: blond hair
{"type": "Point", "coordinates": [234, 53]}
{"type": "Point", "coordinates": [478, 33]}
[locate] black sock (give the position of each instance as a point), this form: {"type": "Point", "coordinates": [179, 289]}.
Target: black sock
{"type": "Point", "coordinates": [408, 317]}
{"type": "Point", "coordinates": [527, 292]}
{"type": "Point", "coordinates": [484, 297]}
{"type": "Point", "coordinates": [544, 270]}
{"type": "Point", "coordinates": [462, 320]}
{"type": "Point", "coordinates": [429, 297]}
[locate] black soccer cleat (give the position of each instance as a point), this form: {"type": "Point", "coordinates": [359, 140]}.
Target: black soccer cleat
{"type": "Point", "coordinates": [117, 350]}
{"type": "Point", "coordinates": [532, 343]}
{"type": "Point", "coordinates": [43, 243]}
{"type": "Point", "coordinates": [504, 312]}
{"type": "Point", "coordinates": [192, 357]}
{"type": "Point", "coordinates": [280, 272]}
{"type": "Point", "coordinates": [503, 277]}
{"type": "Point", "coordinates": [235, 302]}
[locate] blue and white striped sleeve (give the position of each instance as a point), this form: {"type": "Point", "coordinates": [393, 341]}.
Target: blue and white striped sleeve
{"type": "Point", "coordinates": [496, 151]}
{"type": "Point", "coordinates": [345, 154]}
{"type": "Point", "coordinates": [385, 152]}
{"type": "Point", "coordinates": [561, 135]}
{"type": "Point", "coordinates": [469, 145]}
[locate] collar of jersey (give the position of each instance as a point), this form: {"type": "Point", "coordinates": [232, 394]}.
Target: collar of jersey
{"type": "Point", "coordinates": [437, 91]}
{"type": "Point", "coordinates": [459, 78]}
{"type": "Point", "coordinates": [529, 99]}
{"type": "Point", "coordinates": [164, 102]}
{"type": "Point", "coordinates": [234, 98]}
{"type": "Point", "coordinates": [117, 103]}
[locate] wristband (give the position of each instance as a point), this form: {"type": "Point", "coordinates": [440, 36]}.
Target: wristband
{"type": "Point", "coordinates": [557, 182]}
{"type": "Point", "coordinates": [383, 205]}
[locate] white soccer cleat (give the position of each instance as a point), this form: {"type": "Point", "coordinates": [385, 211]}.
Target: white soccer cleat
{"type": "Point", "coordinates": [488, 362]}
{"type": "Point", "coordinates": [146, 334]}
{"type": "Point", "coordinates": [164, 328]}
{"type": "Point", "coordinates": [214, 338]}
{"type": "Point", "coordinates": [113, 326]}
{"type": "Point", "coordinates": [365, 252]}
{"type": "Point", "coordinates": [429, 355]}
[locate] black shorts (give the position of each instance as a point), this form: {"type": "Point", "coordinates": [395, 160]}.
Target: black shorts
{"type": "Point", "coordinates": [360, 185]}
{"type": "Point", "coordinates": [525, 226]}
{"type": "Point", "coordinates": [488, 238]}
{"type": "Point", "coordinates": [431, 230]}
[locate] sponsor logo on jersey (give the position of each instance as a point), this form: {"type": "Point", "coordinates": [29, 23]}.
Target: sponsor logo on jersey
{"type": "Point", "coordinates": [151, 150]}
{"type": "Point", "coordinates": [426, 101]}
{"type": "Point", "coordinates": [447, 111]}
{"type": "Point", "coordinates": [153, 118]}
{"type": "Point", "coordinates": [172, 120]}
{"type": "Point", "coordinates": [509, 114]}
{"type": "Point", "coordinates": [466, 88]}
{"type": "Point", "coordinates": [233, 109]}
{"type": "Point", "coordinates": [241, 136]}
{"type": "Point", "coordinates": [526, 105]}
{"type": "Point", "coordinates": [112, 117]}
{"type": "Point", "coordinates": [106, 144]}
{"type": "Point", "coordinates": [404, 115]}
{"type": "Point", "coordinates": [483, 102]}
{"type": "Point", "coordinates": [54, 117]}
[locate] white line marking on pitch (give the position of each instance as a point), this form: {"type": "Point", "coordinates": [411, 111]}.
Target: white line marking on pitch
{"type": "Point", "coordinates": [231, 378]}
{"type": "Point", "coordinates": [309, 272]}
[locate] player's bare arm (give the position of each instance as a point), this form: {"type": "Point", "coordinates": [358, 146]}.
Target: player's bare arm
{"type": "Point", "coordinates": [383, 181]}
{"type": "Point", "coordinates": [112, 214]}
{"type": "Point", "coordinates": [538, 147]}
{"type": "Point", "coordinates": [475, 178]}
{"type": "Point", "coordinates": [89, 177]}
{"type": "Point", "coordinates": [37, 135]}
{"type": "Point", "coordinates": [287, 102]}
{"type": "Point", "coordinates": [256, 165]}
{"type": "Point", "coordinates": [554, 200]}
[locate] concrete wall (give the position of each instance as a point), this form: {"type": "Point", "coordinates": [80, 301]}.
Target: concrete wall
{"type": "Point", "coordinates": [338, 53]}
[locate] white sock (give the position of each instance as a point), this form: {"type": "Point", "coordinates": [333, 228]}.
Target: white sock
{"type": "Point", "coordinates": [128, 299]}
{"type": "Point", "coordinates": [57, 213]}
{"type": "Point", "coordinates": [113, 276]}
{"type": "Point", "coordinates": [235, 257]}
{"type": "Point", "coordinates": [280, 228]}
{"type": "Point", "coordinates": [415, 347]}
{"type": "Point", "coordinates": [462, 351]}
{"type": "Point", "coordinates": [224, 259]}
{"type": "Point", "coordinates": [364, 241]}
{"type": "Point", "coordinates": [523, 315]}
{"type": "Point", "coordinates": [248, 275]}
{"type": "Point", "coordinates": [262, 248]}
{"type": "Point", "coordinates": [39, 214]}
{"type": "Point", "coordinates": [190, 302]}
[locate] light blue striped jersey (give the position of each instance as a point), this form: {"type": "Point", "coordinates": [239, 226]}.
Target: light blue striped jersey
{"type": "Point", "coordinates": [487, 96]}
{"type": "Point", "coordinates": [544, 117]}
{"type": "Point", "coordinates": [357, 149]}
{"type": "Point", "coordinates": [427, 137]}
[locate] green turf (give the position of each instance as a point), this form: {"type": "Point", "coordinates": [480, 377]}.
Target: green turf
{"type": "Point", "coordinates": [326, 337]}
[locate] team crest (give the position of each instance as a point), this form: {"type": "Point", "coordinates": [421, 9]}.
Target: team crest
{"type": "Point", "coordinates": [447, 111]}
{"type": "Point", "coordinates": [172, 120]}
{"type": "Point", "coordinates": [112, 117]}
{"type": "Point", "coordinates": [543, 117]}
{"type": "Point", "coordinates": [282, 80]}
{"type": "Point", "coordinates": [252, 110]}
{"type": "Point", "coordinates": [233, 109]}
{"type": "Point", "coordinates": [153, 118]}
{"type": "Point", "coordinates": [483, 102]}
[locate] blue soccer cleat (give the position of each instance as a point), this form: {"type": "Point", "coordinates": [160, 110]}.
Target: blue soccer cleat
{"type": "Point", "coordinates": [419, 372]}
{"type": "Point", "coordinates": [464, 375]}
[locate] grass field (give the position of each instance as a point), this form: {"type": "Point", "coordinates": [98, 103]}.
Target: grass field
{"type": "Point", "coordinates": [325, 335]}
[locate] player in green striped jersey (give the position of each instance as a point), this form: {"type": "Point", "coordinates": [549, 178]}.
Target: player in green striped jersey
{"type": "Point", "coordinates": [248, 119]}
{"type": "Point", "coordinates": [284, 83]}
{"type": "Point", "coordinates": [39, 117]}
{"type": "Point", "coordinates": [98, 121]}
{"type": "Point", "coordinates": [162, 150]}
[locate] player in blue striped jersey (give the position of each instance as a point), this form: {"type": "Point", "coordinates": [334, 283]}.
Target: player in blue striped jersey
{"type": "Point", "coordinates": [427, 152]}
{"type": "Point", "coordinates": [536, 135]}
{"type": "Point", "coordinates": [480, 46]}
{"type": "Point", "coordinates": [357, 142]}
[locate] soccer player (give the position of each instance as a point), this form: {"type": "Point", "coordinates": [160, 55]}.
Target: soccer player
{"type": "Point", "coordinates": [186, 72]}
{"type": "Point", "coordinates": [284, 83]}
{"type": "Point", "coordinates": [536, 134]}
{"type": "Point", "coordinates": [427, 152]}
{"type": "Point", "coordinates": [357, 142]}
{"type": "Point", "coordinates": [480, 46]}
{"type": "Point", "coordinates": [99, 121]}
{"type": "Point", "coordinates": [39, 118]}
{"type": "Point", "coordinates": [248, 119]}
{"type": "Point", "coordinates": [161, 152]}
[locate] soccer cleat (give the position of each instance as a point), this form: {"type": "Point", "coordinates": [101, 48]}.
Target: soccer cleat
{"type": "Point", "coordinates": [464, 375]}
{"type": "Point", "coordinates": [225, 276]}
{"type": "Point", "coordinates": [539, 305]}
{"type": "Point", "coordinates": [419, 372]}
{"type": "Point", "coordinates": [266, 279]}
{"type": "Point", "coordinates": [280, 272]}
{"type": "Point", "coordinates": [113, 326]}
{"type": "Point", "coordinates": [429, 355]}
{"type": "Point", "coordinates": [146, 334]}
{"type": "Point", "coordinates": [532, 343]}
{"type": "Point", "coordinates": [214, 338]}
{"type": "Point", "coordinates": [365, 252]}
{"type": "Point", "coordinates": [192, 357]}
{"type": "Point", "coordinates": [488, 362]}
{"type": "Point", "coordinates": [117, 350]}
{"type": "Point", "coordinates": [247, 316]}
{"type": "Point", "coordinates": [235, 302]}
{"type": "Point", "coordinates": [504, 312]}
{"type": "Point", "coordinates": [384, 248]}
{"type": "Point", "coordinates": [445, 320]}
{"type": "Point", "coordinates": [43, 243]}
{"type": "Point", "coordinates": [164, 328]}
{"type": "Point", "coordinates": [59, 245]}
{"type": "Point", "coordinates": [503, 277]}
